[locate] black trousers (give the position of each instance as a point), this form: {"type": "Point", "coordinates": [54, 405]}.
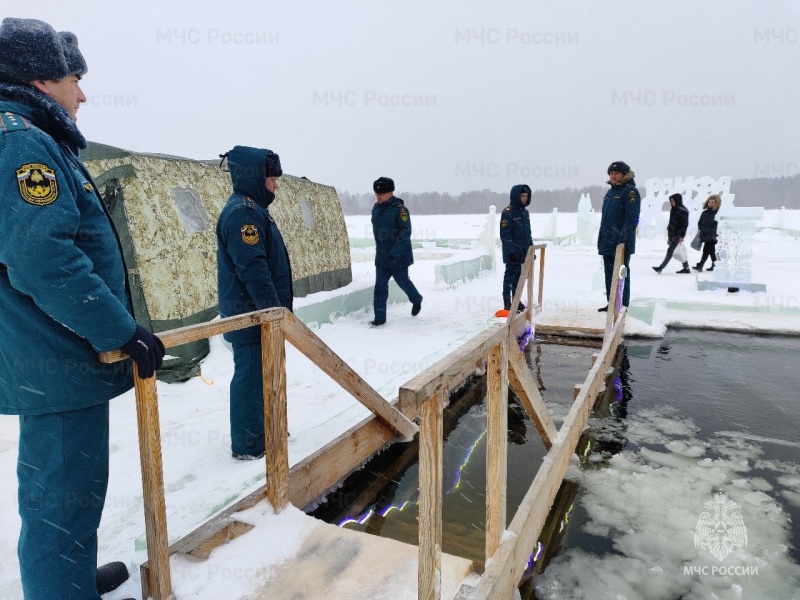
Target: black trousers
{"type": "Point", "coordinates": [709, 249]}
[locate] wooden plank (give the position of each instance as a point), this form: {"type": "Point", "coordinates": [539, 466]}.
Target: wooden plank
{"type": "Point", "coordinates": [576, 391]}
{"type": "Point", "coordinates": [503, 572]}
{"type": "Point", "coordinates": [276, 443]}
{"type": "Point", "coordinates": [158, 582]}
{"type": "Point", "coordinates": [201, 331]}
{"type": "Point", "coordinates": [496, 444]}
{"type": "Point", "coordinates": [541, 274]}
{"type": "Point", "coordinates": [443, 374]}
{"type": "Point", "coordinates": [230, 532]}
{"type": "Point", "coordinates": [566, 329]}
{"type": "Point", "coordinates": [611, 314]}
{"type": "Point", "coordinates": [308, 480]}
{"type": "Point", "coordinates": [429, 577]}
{"type": "Point", "coordinates": [528, 393]}
{"type": "Point", "coordinates": [526, 271]}
{"type": "Point", "coordinates": [529, 309]}
{"type": "Point", "coordinates": [302, 338]}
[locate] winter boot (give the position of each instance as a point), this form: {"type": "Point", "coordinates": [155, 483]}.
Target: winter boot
{"type": "Point", "coordinates": [109, 577]}
{"type": "Point", "coordinates": [699, 266]}
{"type": "Point", "coordinates": [711, 268]}
{"type": "Point", "coordinates": [415, 308]}
{"type": "Point", "coordinates": [506, 303]}
{"type": "Point", "coordinates": [521, 307]}
{"type": "Point", "coordinates": [657, 270]}
{"type": "Point", "coordinates": [685, 268]}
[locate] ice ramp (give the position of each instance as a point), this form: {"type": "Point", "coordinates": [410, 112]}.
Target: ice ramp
{"type": "Point", "coordinates": [292, 556]}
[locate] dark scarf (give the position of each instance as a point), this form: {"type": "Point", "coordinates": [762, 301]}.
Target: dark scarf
{"type": "Point", "coordinates": [46, 114]}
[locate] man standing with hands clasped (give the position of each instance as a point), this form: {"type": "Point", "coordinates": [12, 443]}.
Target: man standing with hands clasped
{"type": "Point", "coordinates": [253, 273]}
{"type": "Point", "coordinates": [63, 299]}
{"type": "Point", "coordinates": [515, 235]}
{"type": "Point", "coordinates": [620, 217]}
{"type": "Point", "coordinates": [391, 226]}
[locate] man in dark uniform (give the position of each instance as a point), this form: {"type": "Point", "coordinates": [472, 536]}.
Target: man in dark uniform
{"type": "Point", "coordinates": [391, 225]}
{"type": "Point", "coordinates": [515, 234]}
{"type": "Point", "coordinates": [620, 217]}
{"type": "Point", "coordinates": [63, 299]}
{"type": "Point", "coordinates": [253, 272]}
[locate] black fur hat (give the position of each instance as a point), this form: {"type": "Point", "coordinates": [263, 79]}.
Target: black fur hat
{"type": "Point", "coordinates": [383, 185]}
{"type": "Point", "coordinates": [75, 62]}
{"type": "Point", "coordinates": [273, 165]}
{"type": "Point", "coordinates": [29, 50]}
{"type": "Point", "coordinates": [619, 167]}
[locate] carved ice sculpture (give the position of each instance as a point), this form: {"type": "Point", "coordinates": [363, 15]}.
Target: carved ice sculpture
{"type": "Point", "coordinates": [583, 237]}
{"type": "Point", "coordinates": [551, 229]}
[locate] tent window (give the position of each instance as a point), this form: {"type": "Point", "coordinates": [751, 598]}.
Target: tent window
{"type": "Point", "coordinates": [308, 213]}
{"type": "Point", "coordinates": [193, 216]}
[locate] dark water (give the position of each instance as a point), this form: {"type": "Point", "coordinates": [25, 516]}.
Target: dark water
{"type": "Point", "coordinates": [737, 386]}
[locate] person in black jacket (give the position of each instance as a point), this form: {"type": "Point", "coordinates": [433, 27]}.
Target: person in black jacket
{"type": "Point", "coordinates": [707, 228]}
{"type": "Point", "coordinates": [515, 234]}
{"type": "Point", "coordinates": [253, 272]}
{"type": "Point", "coordinates": [676, 231]}
{"type": "Point", "coordinates": [391, 226]}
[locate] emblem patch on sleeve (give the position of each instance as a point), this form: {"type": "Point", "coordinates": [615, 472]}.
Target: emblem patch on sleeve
{"type": "Point", "coordinates": [37, 184]}
{"type": "Point", "coordinates": [403, 215]}
{"type": "Point", "coordinates": [503, 223]}
{"type": "Point", "coordinates": [250, 235]}
{"type": "Point", "coordinates": [632, 196]}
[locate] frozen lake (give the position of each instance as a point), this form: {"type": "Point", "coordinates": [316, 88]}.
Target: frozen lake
{"type": "Point", "coordinates": [683, 419]}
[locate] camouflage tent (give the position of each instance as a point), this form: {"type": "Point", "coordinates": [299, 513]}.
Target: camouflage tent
{"type": "Point", "coordinates": [165, 210]}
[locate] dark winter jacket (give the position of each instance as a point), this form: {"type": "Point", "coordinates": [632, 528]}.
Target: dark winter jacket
{"type": "Point", "coordinates": [515, 227]}
{"type": "Point", "coordinates": [620, 216]}
{"type": "Point", "coordinates": [391, 226]}
{"type": "Point", "coordinates": [678, 220]}
{"type": "Point", "coordinates": [253, 269]}
{"type": "Point", "coordinates": [707, 225]}
{"type": "Point", "coordinates": [63, 293]}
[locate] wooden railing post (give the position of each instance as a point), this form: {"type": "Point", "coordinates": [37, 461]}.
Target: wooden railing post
{"type": "Point", "coordinates": [541, 276]}
{"type": "Point", "coordinates": [155, 513]}
{"type": "Point", "coordinates": [496, 445]}
{"type": "Point", "coordinates": [613, 296]}
{"type": "Point", "coordinates": [276, 445]}
{"type": "Point", "coordinates": [429, 576]}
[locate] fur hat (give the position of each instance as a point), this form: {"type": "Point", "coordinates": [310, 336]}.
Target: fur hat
{"type": "Point", "coordinates": [75, 62]}
{"type": "Point", "coordinates": [273, 165]}
{"type": "Point", "coordinates": [383, 185]}
{"type": "Point", "coordinates": [619, 167]}
{"type": "Point", "coordinates": [30, 49]}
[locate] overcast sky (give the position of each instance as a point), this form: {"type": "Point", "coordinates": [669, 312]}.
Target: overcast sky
{"type": "Point", "coordinates": [448, 96]}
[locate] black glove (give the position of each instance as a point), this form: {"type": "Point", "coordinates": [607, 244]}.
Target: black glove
{"type": "Point", "coordinates": [512, 258]}
{"type": "Point", "coordinates": [146, 350]}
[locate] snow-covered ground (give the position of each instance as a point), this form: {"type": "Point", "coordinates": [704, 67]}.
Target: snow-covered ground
{"type": "Point", "coordinates": [199, 474]}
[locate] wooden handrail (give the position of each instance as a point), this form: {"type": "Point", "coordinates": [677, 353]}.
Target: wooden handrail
{"type": "Point", "coordinates": [445, 373]}
{"type": "Point", "coordinates": [201, 331]}
{"type": "Point", "coordinates": [302, 338]}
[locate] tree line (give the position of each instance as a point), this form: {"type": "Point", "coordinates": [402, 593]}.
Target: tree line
{"type": "Point", "coordinates": [763, 191]}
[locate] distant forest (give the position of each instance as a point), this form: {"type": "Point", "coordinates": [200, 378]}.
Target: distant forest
{"type": "Point", "coordinates": [766, 192]}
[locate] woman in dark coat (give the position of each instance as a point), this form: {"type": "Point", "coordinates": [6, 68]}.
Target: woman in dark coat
{"type": "Point", "coordinates": [707, 228]}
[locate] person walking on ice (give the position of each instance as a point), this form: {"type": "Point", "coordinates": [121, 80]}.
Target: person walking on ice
{"type": "Point", "coordinates": [391, 226]}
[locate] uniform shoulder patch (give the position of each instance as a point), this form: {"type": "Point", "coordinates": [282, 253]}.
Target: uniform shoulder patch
{"type": "Point", "coordinates": [250, 234]}
{"type": "Point", "coordinates": [11, 122]}
{"type": "Point", "coordinates": [403, 215]}
{"type": "Point", "coordinates": [37, 184]}
{"type": "Point", "coordinates": [632, 196]}
{"type": "Point", "coordinates": [507, 209]}
{"type": "Point", "coordinates": [504, 223]}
